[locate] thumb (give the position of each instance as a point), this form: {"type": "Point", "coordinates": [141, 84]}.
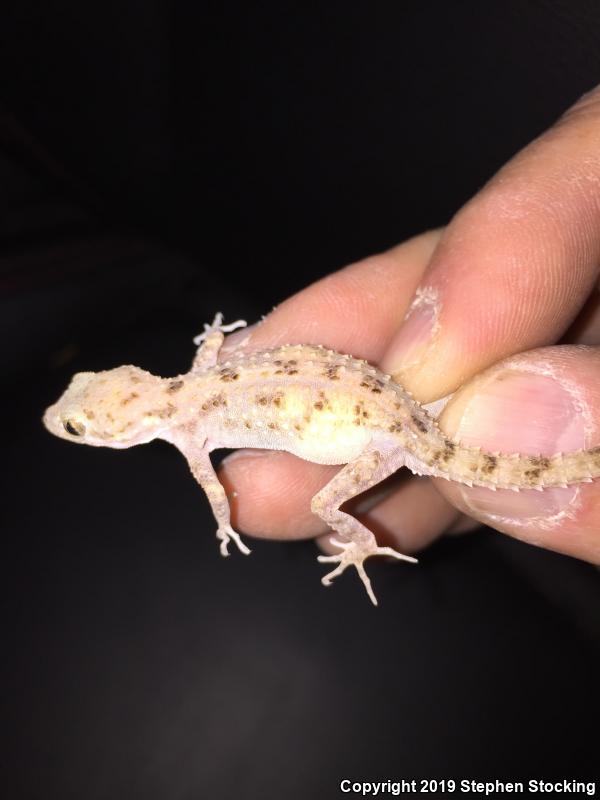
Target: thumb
{"type": "Point", "coordinates": [541, 402]}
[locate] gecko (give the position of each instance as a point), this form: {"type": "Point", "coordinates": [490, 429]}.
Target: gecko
{"type": "Point", "coordinates": [323, 406]}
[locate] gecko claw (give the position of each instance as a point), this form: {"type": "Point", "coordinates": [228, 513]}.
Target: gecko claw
{"type": "Point", "coordinates": [353, 554]}
{"type": "Point", "coordinates": [225, 534]}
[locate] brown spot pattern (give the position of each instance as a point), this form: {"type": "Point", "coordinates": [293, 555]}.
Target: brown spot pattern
{"type": "Point", "coordinates": [215, 401]}
{"type": "Point", "coordinates": [129, 398]}
{"type": "Point", "coordinates": [331, 372]}
{"type": "Point", "coordinates": [537, 464]}
{"type": "Point", "coordinates": [162, 413]}
{"type": "Point", "coordinates": [360, 413]}
{"type": "Point", "coordinates": [227, 374]}
{"type": "Point", "coordinates": [419, 424]}
{"type": "Point", "coordinates": [449, 450]}
{"type": "Point", "coordinates": [322, 402]}
{"type": "Point", "coordinates": [372, 383]}
{"type": "Point", "coordinates": [286, 367]}
{"type": "Point", "coordinates": [489, 464]}
{"type": "Point", "coordinates": [174, 386]}
{"type": "Point", "coordinates": [265, 399]}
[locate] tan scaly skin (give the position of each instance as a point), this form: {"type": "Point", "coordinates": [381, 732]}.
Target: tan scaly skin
{"type": "Point", "coordinates": [317, 404]}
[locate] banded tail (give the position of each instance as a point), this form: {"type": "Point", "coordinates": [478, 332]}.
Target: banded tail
{"type": "Point", "coordinates": [473, 466]}
{"type": "Point", "coordinates": [515, 471]}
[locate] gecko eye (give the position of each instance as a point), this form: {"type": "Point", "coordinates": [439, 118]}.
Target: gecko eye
{"type": "Point", "coordinates": [73, 427]}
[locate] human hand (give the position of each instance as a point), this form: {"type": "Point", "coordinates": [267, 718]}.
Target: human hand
{"type": "Point", "coordinates": [516, 269]}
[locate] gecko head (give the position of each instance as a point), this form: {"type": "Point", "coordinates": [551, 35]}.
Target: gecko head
{"type": "Point", "coordinates": [108, 409]}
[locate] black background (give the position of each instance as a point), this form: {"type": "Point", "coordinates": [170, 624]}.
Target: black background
{"type": "Point", "coordinates": [161, 161]}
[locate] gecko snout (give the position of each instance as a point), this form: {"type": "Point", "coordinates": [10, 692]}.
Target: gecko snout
{"type": "Point", "coordinates": [65, 426]}
{"type": "Point", "coordinates": [50, 418]}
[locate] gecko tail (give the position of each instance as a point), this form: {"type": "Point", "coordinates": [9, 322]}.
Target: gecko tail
{"type": "Point", "coordinates": [516, 471]}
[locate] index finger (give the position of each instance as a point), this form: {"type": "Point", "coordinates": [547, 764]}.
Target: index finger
{"type": "Point", "coordinates": [513, 267]}
{"type": "Point", "coordinates": [355, 310]}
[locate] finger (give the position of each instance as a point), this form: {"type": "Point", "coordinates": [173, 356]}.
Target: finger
{"type": "Point", "coordinates": [406, 514]}
{"type": "Point", "coordinates": [270, 493]}
{"type": "Point", "coordinates": [407, 518]}
{"type": "Point", "coordinates": [541, 402]}
{"type": "Point", "coordinates": [355, 310]}
{"type": "Point", "coordinates": [513, 267]}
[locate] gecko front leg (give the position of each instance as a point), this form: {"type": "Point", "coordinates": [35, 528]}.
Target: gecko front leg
{"type": "Point", "coordinates": [203, 471]}
{"type": "Point", "coordinates": [369, 468]}
{"type": "Point", "coordinates": [209, 343]}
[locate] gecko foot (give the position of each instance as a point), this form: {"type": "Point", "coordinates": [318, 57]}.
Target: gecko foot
{"type": "Point", "coordinates": [353, 554]}
{"type": "Point", "coordinates": [225, 534]}
{"type": "Point", "coordinates": [217, 325]}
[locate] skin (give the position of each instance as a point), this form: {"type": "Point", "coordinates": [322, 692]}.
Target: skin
{"type": "Point", "coordinates": [495, 308]}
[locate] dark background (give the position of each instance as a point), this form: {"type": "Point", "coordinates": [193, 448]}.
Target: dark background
{"type": "Point", "coordinates": [159, 162]}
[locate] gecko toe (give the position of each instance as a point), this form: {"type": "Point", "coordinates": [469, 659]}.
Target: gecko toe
{"type": "Point", "coordinates": [326, 579]}
{"type": "Point", "coordinates": [354, 554]}
{"type": "Point", "coordinates": [389, 551]}
{"type": "Point", "coordinates": [226, 534]}
{"type": "Point", "coordinates": [327, 559]}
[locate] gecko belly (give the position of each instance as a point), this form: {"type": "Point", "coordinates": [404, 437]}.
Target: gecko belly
{"type": "Point", "coordinates": [331, 443]}
{"type": "Point", "coordinates": [314, 421]}
{"type": "Point", "coordinates": [322, 441]}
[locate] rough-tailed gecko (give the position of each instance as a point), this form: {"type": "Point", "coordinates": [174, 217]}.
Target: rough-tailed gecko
{"type": "Point", "coordinates": [320, 405]}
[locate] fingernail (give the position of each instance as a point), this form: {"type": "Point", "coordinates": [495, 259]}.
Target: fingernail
{"type": "Point", "coordinates": [517, 411]}
{"type": "Point", "coordinates": [416, 333]}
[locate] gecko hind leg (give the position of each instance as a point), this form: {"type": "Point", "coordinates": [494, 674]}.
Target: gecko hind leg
{"type": "Point", "coordinates": [369, 468]}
